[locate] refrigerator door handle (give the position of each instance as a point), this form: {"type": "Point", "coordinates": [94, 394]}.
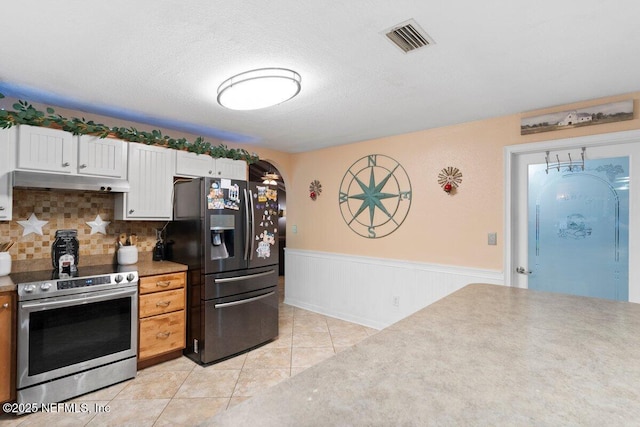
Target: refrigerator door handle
{"type": "Point", "coordinates": [248, 276]}
{"type": "Point", "coordinates": [253, 224]}
{"type": "Point", "coordinates": [243, 301]}
{"type": "Point", "coordinates": [247, 222]}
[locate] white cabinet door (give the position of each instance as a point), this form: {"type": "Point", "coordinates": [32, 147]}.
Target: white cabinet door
{"type": "Point", "coordinates": [192, 164]}
{"type": "Point", "coordinates": [44, 149]}
{"type": "Point", "coordinates": [150, 174]}
{"type": "Point", "coordinates": [7, 140]}
{"type": "Point", "coordinates": [102, 156]}
{"type": "Point", "coordinates": [197, 165]}
{"type": "Point", "coordinates": [231, 169]}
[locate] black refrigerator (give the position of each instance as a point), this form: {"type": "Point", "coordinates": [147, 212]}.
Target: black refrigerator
{"type": "Point", "coordinates": [226, 231]}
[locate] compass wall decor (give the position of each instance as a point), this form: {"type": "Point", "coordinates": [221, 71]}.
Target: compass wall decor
{"type": "Point", "coordinates": [375, 196]}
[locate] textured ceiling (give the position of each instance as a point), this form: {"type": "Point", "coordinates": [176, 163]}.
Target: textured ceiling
{"type": "Point", "coordinates": [161, 61]}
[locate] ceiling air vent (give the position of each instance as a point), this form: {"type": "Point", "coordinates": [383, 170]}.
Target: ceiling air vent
{"type": "Point", "coordinates": [408, 36]}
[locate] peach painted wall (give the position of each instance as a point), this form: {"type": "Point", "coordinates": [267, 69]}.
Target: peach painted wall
{"type": "Point", "coordinates": [439, 229]}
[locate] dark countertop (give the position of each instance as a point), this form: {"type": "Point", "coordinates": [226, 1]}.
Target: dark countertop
{"type": "Point", "coordinates": [484, 355]}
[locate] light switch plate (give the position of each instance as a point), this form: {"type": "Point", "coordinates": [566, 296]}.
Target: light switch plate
{"type": "Point", "coordinates": [294, 229]}
{"type": "Point", "coordinates": [492, 239]}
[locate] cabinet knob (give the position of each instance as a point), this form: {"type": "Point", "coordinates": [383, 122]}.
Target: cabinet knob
{"type": "Point", "coordinates": [66, 164]}
{"type": "Point", "coordinates": [82, 166]}
{"type": "Point", "coordinates": [163, 335]}
{"type": "Point", "coordinates": [210, 172]}
{"type": "Point", "coordinates": [131, 211]}
{"type": "Point", "coordinates": [5, 305]}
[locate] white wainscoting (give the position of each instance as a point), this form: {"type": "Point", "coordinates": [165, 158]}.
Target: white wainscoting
{"type": "Point", "coordinates": [363, 289]}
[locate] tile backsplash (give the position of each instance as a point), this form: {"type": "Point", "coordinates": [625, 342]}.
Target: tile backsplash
{"type": "Point", "coordinates": [70, 210]}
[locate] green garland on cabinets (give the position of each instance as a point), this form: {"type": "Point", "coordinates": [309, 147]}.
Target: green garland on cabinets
{"type": "Point", "coordinates": [26, 114]}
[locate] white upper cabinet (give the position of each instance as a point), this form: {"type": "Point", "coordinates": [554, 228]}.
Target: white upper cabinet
{"type": "Point", "coordinates": [232, 169]}
{"type": "Point", "coordinates": [53, 150]}
{"type": "Point", "coordinates": [44, 149]}
{"type": "Point", "coordinates": [197, 165]}
{"type": "Point", "coordinates": [192, 164]}
{"type": "Point", "coordinates": [102, 157]}
{"type": "Point", "coordinates": [7, 137]}
{"type": "Point", "coordinates": [150, 173]}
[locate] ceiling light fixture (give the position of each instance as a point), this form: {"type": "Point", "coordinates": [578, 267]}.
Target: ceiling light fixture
{"type": "Point", "coordinates": [259, 88]}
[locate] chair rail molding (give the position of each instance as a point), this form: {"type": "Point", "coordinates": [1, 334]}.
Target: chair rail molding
{"type": "Point", "coordinates": [374, 292]}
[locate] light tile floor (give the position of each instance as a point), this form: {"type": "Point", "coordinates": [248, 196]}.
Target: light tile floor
{"type": "Point", "coordinates": [182, 393]}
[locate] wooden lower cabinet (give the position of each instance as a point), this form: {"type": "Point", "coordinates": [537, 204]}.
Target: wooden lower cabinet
{"type": "Point", "coordinates": [161, 334]}
{"type": "Point", "coordinates": [162, 324]}
{"type": "Point", "coordinates": [7, 347]}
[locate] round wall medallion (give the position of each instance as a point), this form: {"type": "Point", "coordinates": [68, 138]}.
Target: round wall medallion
{"type": "Point", "coordinates": [375, 196]}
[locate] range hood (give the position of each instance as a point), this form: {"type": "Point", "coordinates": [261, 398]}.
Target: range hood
{"type": "Point", "coordinates": [69, 182]}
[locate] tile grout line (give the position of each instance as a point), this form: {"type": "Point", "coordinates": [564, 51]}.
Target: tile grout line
{"type": "Point", "coordinates": [244, 362]}
{"type": "Point", "coordinates": [172, 397]}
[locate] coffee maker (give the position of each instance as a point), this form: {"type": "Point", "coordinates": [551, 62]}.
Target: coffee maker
{"type": "Point", "coordinates": [65, 253]}
{"type": "Point", "coordinates": [159, 249]}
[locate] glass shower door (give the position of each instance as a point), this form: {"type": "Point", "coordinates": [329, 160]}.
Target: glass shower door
{"type": "Point", "coordinates": [578, 224]}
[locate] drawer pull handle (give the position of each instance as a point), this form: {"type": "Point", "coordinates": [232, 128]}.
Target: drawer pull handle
{"type": "Point", "coordinates": [163, 335]}
{"type": "Point", "coordinates": [163, 284]}
{"type": "Point", "coordinates": [163, 303]}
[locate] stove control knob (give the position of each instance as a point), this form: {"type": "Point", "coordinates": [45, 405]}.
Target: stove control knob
{"type": "Point", "coordinates": [45, 286]}
{"type": "Point", "coordinates": [29, 288]}
{"type": "Point", "coordinates": [131, 277]}
{"type": "Point", "coordinates": [118, 278]}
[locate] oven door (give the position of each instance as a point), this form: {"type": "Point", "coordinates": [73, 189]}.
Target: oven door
{"type": "Point", "coordinates": [64, 335]}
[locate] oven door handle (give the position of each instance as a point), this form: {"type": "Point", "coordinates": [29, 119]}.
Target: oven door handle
{"type": "Point", "coordinates": [79, 300]}
{"type": "Point", "coordinates": [244, 301]}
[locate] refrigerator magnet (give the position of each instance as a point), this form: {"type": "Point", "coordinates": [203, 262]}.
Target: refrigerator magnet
{"type": "Point", "coordinates": [233, 198]}
{"type": "Point", "coordinates": [262, 193]}
{"type": "Point", "coordinates": [263, 250]}
{"type": "Point", "coordinates": [215, 198]}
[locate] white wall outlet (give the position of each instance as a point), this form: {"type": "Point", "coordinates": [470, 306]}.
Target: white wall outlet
{"type": "Point", "coordinates": [294, 229]}
{"type": "Point", "coordinates": [492, 238]}
{"type": "Point", "coordinates": [396, 301]}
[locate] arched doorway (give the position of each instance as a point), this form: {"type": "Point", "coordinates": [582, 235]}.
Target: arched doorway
{"type": "Point", "coordinates": [262, 171]}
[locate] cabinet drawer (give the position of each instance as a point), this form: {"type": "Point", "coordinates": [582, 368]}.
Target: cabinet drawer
{"type": "Point", "coordinates": [161, 334]}
{"type": "Point", "coordinates": [162, 282]}
{"type": "Point", "coordinates": [161, 302]}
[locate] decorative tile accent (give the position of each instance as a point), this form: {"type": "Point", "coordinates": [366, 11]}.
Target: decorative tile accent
{"type": "Point", "coordinates": [70, 210]}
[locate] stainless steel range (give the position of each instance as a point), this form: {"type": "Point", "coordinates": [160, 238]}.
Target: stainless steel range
{"type": "Point", "coordinates": [75, 334]}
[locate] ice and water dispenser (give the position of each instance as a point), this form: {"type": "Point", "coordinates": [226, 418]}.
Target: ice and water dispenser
{"type": "Point", "coordinates": [222, 228]}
